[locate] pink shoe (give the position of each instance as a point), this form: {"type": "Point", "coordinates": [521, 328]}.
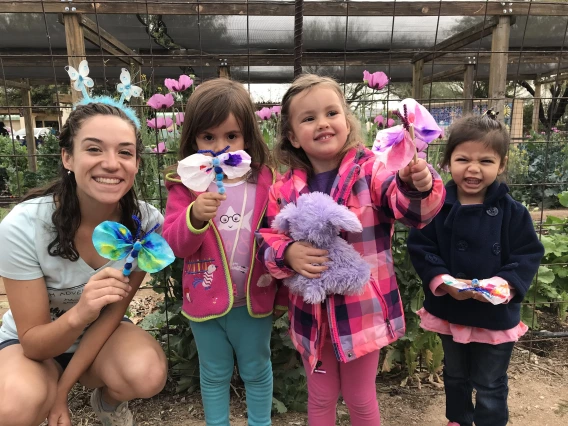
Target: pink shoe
{"type": "Point", "coordinates": [453, 424]}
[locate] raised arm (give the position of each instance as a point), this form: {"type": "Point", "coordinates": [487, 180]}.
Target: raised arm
{"type": "Point", "coordinates": [398, 201]}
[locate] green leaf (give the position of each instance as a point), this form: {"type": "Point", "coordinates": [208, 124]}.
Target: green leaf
{"type": "Point", "coordinates": [563, 198]}
{"type": "Point", "coordinates": [279, 406]}
{"type": "Point", "coordinates": [545, 275]}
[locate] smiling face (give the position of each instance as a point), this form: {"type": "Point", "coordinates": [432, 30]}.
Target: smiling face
{"type": "Point", "coordinates": [474, 167]}
{"type": "Point", "coordinates": [228, 133]}
{"type": "Point", "coordinates": [103, 161]}
{"type": "Point", "coordinates": [319, 126]}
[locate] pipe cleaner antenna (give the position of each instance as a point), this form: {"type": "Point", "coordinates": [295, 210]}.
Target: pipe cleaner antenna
{"type": "Point", "coordinates": [409, 127]}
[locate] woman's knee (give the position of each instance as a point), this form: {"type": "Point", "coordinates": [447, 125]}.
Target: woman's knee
{"type": "Point", "coordinates": [147, 375]}
{"type": "Point", "coordinates": [25, 400]}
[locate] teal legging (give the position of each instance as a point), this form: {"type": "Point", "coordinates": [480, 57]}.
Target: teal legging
{"type": "Point", "coordinates": [249, 338]}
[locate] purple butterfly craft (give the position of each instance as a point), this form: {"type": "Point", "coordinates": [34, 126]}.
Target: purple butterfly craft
{"type": "Point", "coordinates": [396, 146]}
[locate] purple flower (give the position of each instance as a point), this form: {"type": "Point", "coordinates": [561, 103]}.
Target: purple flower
{"type": "Point", "coordinates": [276, 109]}
{"type": "Point", "coordinates": [158, 101]}
{"type": "Point", "coordinates": [161, 148]}
{"type": "Point", "coordinates": [376, 81]}
{"type": "Point", "coordinates": [180, 116]}
{"type": "Point", "coordinates": [159, 123]}
{"type": "Point", "coordinates": [390, 122]}
{"type": "Point", "coordinates": [265, 113]}
{"type": "Point", "coordinates": [233, 160]}
{"type": "Point", "coordinates": [180, 85]}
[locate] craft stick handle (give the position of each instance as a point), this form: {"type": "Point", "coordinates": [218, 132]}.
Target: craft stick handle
{"type": "Point", "coordinates": [411, 131]}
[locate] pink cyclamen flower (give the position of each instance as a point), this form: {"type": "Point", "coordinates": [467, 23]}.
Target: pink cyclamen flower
{"type": "Point", "coordinates": [380, 121]}
{"type": "Point", "coordinates": [161, 148]}
{"type": "Point", "coordinates": [180, 116]}
{"type": "Point", "coordinates": [265, 113]}
{"type": "Point", "coordinates": [376, 81]}
{"type": "Point", "coordinates": [159, 123]}
{"type": "Point", "coordinates": [184, 83]}
{"type": "Point", "coordinates": [158, 101]}
{"type": "Point", "coordinates": [276, 109]}
{"type": "Point", "coordinates": [555, 129]}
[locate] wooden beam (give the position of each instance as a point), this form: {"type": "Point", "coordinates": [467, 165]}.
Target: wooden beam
{"type": "Point", "coordinates": [468, 81]}
{"type": "Point", "coordinates": [556, 71]}
{"type": "Point", "coordinates": [29, 58]}
{"type": "Point", "coordinates": [418, 79]}
{"type": "Point", "coordinates": [517, 114]}
{"type": "Point", "coordinates": [75, 46]}
{"type": "Point", "coordinates": [286, 8]}
{"type": "Point", "coordinates": [106, 42]}
{"type": "Point", "coordinates": [16, 84]}
{"type": "Point", "coordinates": [443, 75]}
{"type": "Point", "coordinates": [558, 77]}
{"type": "Point", "coordinates": [459, 40]}
{"type": "Point", "coordinates": [29, 123]}
{"type": "Point", "coordinates": [107, 39]}
{"type": "Point", "coordinates": [498, 65]}
{"type": "Point", "coordinates": [536, 106]}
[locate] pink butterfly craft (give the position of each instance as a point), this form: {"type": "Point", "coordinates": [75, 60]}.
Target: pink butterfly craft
{"type": "Point", "coordinates": [395, 146]}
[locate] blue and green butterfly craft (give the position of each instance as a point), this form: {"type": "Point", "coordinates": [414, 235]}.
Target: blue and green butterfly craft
{"type": "Point", "coordinates": [114, 241]}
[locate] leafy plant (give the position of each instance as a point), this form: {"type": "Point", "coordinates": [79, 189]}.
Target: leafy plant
{"type": "Point", "coordinates": [551, 283]}
{"type": "Point", "coordinates": [547, 174]}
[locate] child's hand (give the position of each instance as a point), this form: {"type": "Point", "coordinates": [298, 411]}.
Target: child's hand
{"type": "Point", "coordinates": [457, 294]}
{"type": "Point", "coordinates": [305, 259]}
{"type": "Point", "coordinates": [474, 294]}
{"type": "Point", "coordinates": [205, 208]}
{"type": "Point", "coordinates": [417, 175]}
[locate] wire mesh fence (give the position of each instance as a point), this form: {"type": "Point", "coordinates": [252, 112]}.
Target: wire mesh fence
{"type": "Point", "coordinates": [456, 57]}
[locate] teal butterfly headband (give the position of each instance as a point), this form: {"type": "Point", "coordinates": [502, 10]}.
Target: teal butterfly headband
{"type": "Point", "coordinates": [82, 83]}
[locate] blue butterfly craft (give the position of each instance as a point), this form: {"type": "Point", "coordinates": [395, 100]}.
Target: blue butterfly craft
{"type": "Point", "coordinates": [114, 241]}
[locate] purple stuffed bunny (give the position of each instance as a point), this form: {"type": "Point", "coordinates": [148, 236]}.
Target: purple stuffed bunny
{"type": "Point", "coordinates": [317, 219]}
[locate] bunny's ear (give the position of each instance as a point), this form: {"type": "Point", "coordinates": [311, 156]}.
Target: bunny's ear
{"type": "Point", "coordinates": [345, 219]}
{"type": "Point", "coordinates": [282, 220]}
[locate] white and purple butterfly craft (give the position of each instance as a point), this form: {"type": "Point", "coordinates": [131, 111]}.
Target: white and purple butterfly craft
{"type": "Point", "coordinates": [198, 170]}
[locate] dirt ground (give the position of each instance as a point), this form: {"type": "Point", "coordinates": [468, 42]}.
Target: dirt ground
{"type": "Point", "coordinates": [538, 391]}
{"type": "Point", "coordinates": [538, 397]}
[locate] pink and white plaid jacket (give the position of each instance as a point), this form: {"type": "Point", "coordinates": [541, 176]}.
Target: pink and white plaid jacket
{"type": "Point", "coordinates": [364, 323]}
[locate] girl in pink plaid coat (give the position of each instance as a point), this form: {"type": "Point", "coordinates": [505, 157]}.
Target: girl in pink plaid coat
{"type": "Point", "coordinates": [340, 339]}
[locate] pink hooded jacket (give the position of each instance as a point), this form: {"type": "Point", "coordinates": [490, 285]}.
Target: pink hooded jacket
{"type": "Point", "coordinates": [205, 258]}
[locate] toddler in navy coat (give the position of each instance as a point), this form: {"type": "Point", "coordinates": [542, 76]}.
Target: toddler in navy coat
{"type": "Point", "coordinates": [480, 233]}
